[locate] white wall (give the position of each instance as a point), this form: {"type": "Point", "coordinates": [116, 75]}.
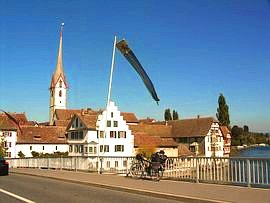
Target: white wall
{"type": "Point", "coordinates": [48, 148]}
{"type": "Point", "coordinates": [128, 142]}
{"type": "Point", "coordinates": [219, 141]}
{"type": "Point", "coordinates": [60, 102]}
{"type": "Point", "coordinates": [10, 139]}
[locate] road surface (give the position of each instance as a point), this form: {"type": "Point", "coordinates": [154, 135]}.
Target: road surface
{"type": "Point", "coordinates": [36, 189]}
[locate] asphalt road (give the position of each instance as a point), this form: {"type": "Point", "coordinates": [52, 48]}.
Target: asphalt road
{"type": "Point", "coordinates": [38, 189]}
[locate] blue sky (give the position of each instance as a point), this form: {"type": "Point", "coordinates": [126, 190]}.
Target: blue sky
{"type": "Point", "coordinates": [192, 50]}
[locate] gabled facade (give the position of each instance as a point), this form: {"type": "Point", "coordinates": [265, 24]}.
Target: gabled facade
{"type": "Point", "coordinates": [103, 133]}
{"type": "Point", "coordinates": [202, 136]}
{"type": "Point", "coordinates": [227, 140]}
{"type": "Point", "coordinates": [8, 135]}
{"type": "Point", "coordinates": [114, 135]}
{"type": "Point", "coordinates": [82, 135]}
{"type": "Point", "coordinates": [58, 87]}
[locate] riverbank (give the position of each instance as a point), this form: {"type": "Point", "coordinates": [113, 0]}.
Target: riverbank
{"type": "Point", "coordinates": [250, 151]}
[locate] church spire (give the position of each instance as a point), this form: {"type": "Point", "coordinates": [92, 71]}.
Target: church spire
{"type": "Point", "coordinates": [58, 87]}
{"type": "Point", "coordinates": [59, 71]}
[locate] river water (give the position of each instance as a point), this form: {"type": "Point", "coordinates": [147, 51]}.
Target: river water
{"type": "Point", "coordinates": [257, 152]}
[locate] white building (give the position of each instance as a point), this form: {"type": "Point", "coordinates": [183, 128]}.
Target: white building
{"type": "Point", "coordinates": [202, 136]}
{"type": "Point", "coordinates": [103, 133]}
{"type": "Point", "coordinates": [42, 140]}
{"type": "Point", "coordinates": [9, 129]}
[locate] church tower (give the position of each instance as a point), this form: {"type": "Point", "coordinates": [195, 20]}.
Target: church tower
{"type": "Point", "coordinates": [58, 87]}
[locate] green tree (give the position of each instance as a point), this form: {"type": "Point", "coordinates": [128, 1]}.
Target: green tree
{"type": "Point", "coordinates": [35, 154]}
{"type": "Point", "coordinates": [246, 129]}
{"type": "Point", "coordinates": [223, 111]}
{"type": "Point", "coordinates": [175, 115]}
{"type": "Point", "coordinates": [167, 115]}
{"type": "Point", "coordinates": [237, 134]}
{"type": "Point", "coordinates": [2, 149]}
{"type": "Point", "coordinates": [21, 154]}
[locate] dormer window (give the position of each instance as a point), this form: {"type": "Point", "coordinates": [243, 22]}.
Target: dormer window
{"type": "Point", "coordinates": [60, 93]}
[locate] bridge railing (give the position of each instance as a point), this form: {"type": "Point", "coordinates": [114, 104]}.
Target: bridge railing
{"type": "Point", "coordinates": [238, 171]}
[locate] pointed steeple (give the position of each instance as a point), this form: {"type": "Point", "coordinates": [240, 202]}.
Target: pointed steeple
{"type": "Point", "coordinates": [59, 71]}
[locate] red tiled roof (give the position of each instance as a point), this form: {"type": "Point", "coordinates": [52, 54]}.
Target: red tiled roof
{"type": "Point", "coordinates": [42, 134]}
{"type": "Point", "coordinates": [7, 124]}
{"type": "Point", "coordinates": [129, 117]}
{"type": "Point", "coordinates": [65, 114]}
{"type": "Point", "coordinates": [197, 127]}
{"type": "Point", "coordinates": [20, 117]}
{"type": "Point", "coordinates": [63, 123]}
{"type": "Point", "coordinates": [184, 151]}
{"type": "Point", "coordinates": [143, 139]}
{"type": "Point", "coordinates": [153, 130]}
{"type": "Point", "coordinates": [225, 131]}
{"type": "Point", "coordinates": [89, 120]}
{"type": "Point", "coordinates": [147, 120]}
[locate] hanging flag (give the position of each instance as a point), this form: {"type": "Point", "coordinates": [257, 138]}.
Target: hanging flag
{"type": "Point", "coordinates": [132, 59]}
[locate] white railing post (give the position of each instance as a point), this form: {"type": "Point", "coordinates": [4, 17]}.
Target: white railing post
{"type": "Point", "coordinates": [197, 170]}
{"type": "Point", "coordinates": [248, 173]}
{"type": "Point", "coordinates": [48, 162]}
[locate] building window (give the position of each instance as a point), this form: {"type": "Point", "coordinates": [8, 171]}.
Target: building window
{"type": "Point", "coordinates": [111, 114]}
{"type": "Point", "coordinates": [55, 147]}
{"type": "Point", "coordinates": [76, 148]}
{"type": "Point", "coordinates": [86, 149]}
{"type": "Point", "coordinates": [112, 134]}
{"type": "Point", "coordinates": [43, 147]}
{"type": "Point", "coordinates": [81, 135]}
{"type": "Point", "coordinates": [108, 164]}
{"type": "Point", "coordinates": [60, 83]}
{"type": "Point", "coordinates": [125, 163]}
{"type": "Point", "coordinates": [101, 134]}
{"type": "Point", "coordinates": [116, 164]}
{"type": "Point", "coordinates": [104, 148]}
{"type": "Point", "coordinates": [209, 149]}
{"type": "Point", "coordinates": [122, 134]}
{"type": "Point", "coordinates": [72, 135]}
{"type": "Point", "coordinates": [9, 144]}
{"type": "Point", "coordinates": [76, 136]}
{"type": "Point", "coordinates": [76, 122]}
{"type": "Point", "coordinates": [119, 148]}
{"type": "Point", "coordinates": [60, 93]}
{"type": "Point", "coordinates": [70, 148]}
{"type": "Point", "coordinates": [81, 149]}
{"type": "Point", "coordinates": [92, 150]}
{"type": "Point", "coordinates": [108, 123]}
{"type": "Point", "coordinates": [115, 124]}
{"type": "Point", "coordinates": [31, 148]}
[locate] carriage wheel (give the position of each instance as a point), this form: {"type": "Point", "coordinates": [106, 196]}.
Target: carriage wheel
{"type": "Point", "coordinates": [136, 170]}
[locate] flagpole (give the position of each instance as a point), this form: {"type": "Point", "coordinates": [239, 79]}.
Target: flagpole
{"type": "Point", "coordinates": [112, 66]}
